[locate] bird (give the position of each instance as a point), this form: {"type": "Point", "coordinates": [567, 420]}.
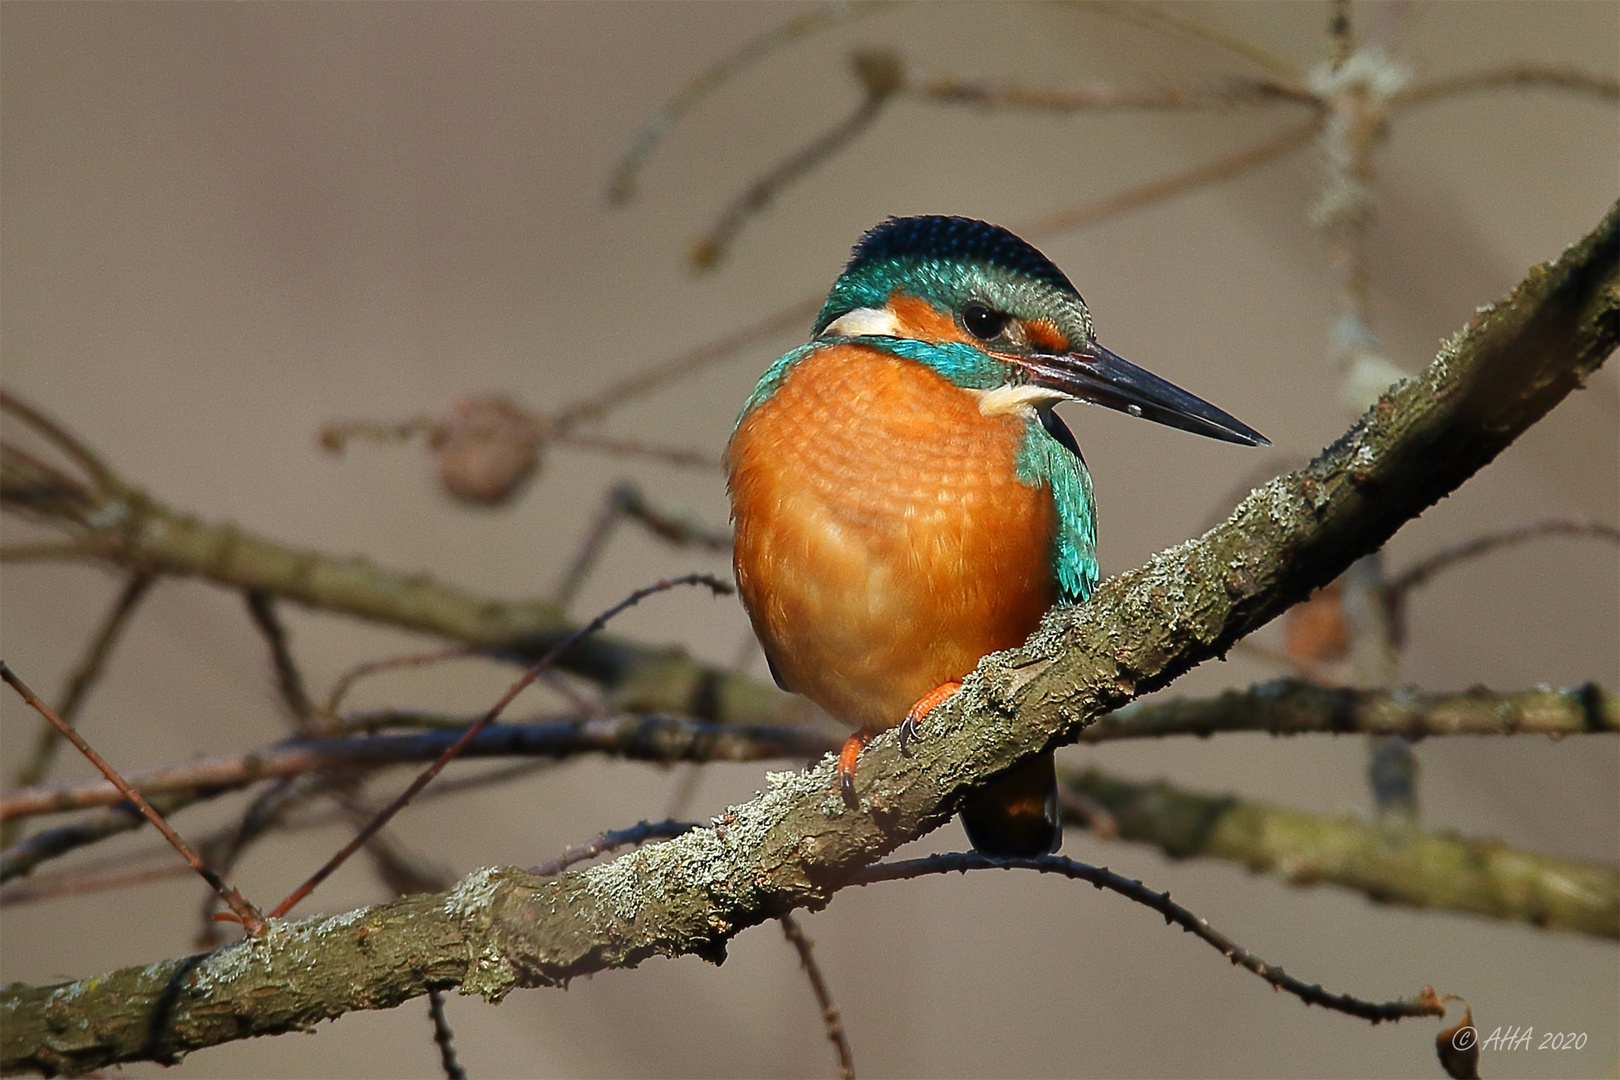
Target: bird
{"type": "Point", "coordinates": [905, 500]}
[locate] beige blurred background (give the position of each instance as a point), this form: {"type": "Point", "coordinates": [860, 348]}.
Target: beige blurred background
{"type": "Point", "coordinates": [225, 225]}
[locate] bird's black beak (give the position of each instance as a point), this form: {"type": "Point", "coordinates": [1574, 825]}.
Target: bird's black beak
{"type": "Point", "coordinates": [1092, 373]}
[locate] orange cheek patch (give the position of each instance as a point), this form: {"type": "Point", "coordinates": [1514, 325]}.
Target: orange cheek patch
{"type": "Point", "coordinates": [1046, 337]}
{"type": "Point", "coordinates": [921, 320]}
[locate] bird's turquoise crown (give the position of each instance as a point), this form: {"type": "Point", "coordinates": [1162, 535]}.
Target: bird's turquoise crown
{"type": "Point", "coordinates": [935, 250]}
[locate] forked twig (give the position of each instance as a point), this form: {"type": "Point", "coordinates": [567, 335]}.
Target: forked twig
{"type": "Point", "coordinates": [1173, 913]}
{"type": "Point", "coordinates": [245, 912]}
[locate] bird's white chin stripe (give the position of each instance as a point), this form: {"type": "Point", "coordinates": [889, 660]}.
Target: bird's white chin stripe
{"type": "Point", "coordinates": [864, 322]}
{"type": "Point", "coordinates": [1016, 399]}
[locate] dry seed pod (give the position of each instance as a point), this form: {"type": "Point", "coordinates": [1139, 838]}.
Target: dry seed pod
{"type": "Point", "coordinates": [487, 449]}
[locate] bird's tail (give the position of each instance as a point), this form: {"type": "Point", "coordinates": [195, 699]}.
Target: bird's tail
{"type": "Point", "coordinates": [1016, 814]}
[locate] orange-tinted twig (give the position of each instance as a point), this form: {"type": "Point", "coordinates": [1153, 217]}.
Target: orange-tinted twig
{"type": "Point", "coordinates": [427, 775]}
{"type": "Point", "coordinates": [245, 912]}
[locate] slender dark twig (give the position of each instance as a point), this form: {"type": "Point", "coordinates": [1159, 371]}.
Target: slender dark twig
{"type": "Point", "coordinates": [638, 833]}
{"type": "Point", "coordinates": [426, 777]}
{"type": "Point", "coordinates": [261, 606]}
{"type": "Point", "coordinates": [245, 912]}
{"type": "Point", "coordinates": [443, 1038]}
{"type": "Point", "coordinates": [1173, 913]}
{"type": "Point", "coordinates": [345, 682]}
{"type": "Point", "coordinates": [829, 1012]}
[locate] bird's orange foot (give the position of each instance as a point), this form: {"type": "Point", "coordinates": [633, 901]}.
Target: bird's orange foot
{"type": "Point", "coordinates": [924, 706]}
{"type": "Point", "coordinates": [846, 767]}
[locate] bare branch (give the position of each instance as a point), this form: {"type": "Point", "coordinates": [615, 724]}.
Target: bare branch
{"type": "Point", "coordinates": [1441, 871]}
{"type": "Point", "coordinates": [1297, 707]}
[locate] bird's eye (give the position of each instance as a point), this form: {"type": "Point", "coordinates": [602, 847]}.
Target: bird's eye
{"type": "Point", "coordinates": [984, 322]}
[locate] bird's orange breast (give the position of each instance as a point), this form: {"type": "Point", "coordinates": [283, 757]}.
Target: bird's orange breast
{"type": "Point", "coordinates": [884, 542]}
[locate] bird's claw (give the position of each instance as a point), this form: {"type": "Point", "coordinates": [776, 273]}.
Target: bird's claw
{"type": "Point", "coordinates": [846, 788]}
{"type": "Point", "coordinates": [907, 731]}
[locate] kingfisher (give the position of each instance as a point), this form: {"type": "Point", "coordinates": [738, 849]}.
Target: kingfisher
{"type": "Point", "coordinates": [906, 500]}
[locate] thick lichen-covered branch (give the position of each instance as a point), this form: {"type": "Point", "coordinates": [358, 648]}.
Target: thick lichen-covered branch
{"type": "Point", "coordinates": [1389, 864]}
{"type": "Point", "coordinates": [796, 844]}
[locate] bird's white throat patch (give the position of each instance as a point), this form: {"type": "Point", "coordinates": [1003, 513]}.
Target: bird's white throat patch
{"type": "Point", "coordinates": [1023, 400]}
{"type": "Point", "coordinates": [864, 322]}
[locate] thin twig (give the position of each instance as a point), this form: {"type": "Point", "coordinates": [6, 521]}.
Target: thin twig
{"type": "Point", "coordinates": [386, 814]}
{"type": "Point", "coordinates": [78, 686]}
{"type": "Point", "coordinates": [1173, 19]}
{"type": "Point", "coordinates": [1226, 168]}
{"type": "Point", "coordinates": [1510, 76]}
{"type": "Point", "coordinates": [669, 455]}
{"type": "Point", "coordinates": [245, 912]}
{"type": "Point", "coordinates": [829, 1012]}
{"type": "Point", "coordinates": [881, 75]}
{"type": "Point", "coordinates": [261, 606]}
{"type": "Point", "coordinates": [679, 366]}
{"type": "Point", "coordinates": [612, 840]}
{"type": "Point", "coordinates": [626, 500]}
{"type": "Point", "coordinates": [622, 187]}
{"type": "Point", "coordinates": [1219, 94]}
{"type": "Point", "coordinates": [24, 857]}
{"type": "Point", "coordinates": [443, 1038]}
{"type": "Point", "coordinates": [106, 481]}
{"type": "Point", "coordinates": [1418, 574]}
{"type": "Point", "coordinates": [1173, 913]}
{"type": "Point", "coordinates": [345, 682]}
